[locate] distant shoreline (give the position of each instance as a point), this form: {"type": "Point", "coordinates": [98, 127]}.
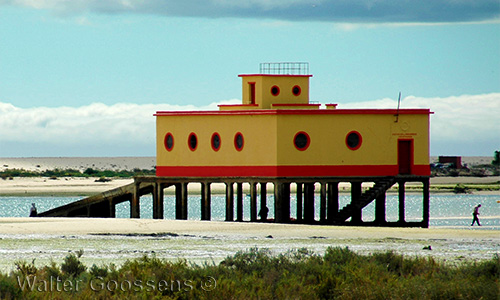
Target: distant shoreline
{"type": "Point", "coordinates": [87, 186]}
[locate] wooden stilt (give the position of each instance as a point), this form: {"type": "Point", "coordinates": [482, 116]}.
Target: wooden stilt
{"type": "Point", "coordinates": [299, 202]}
{"type": "Point", "coordinates": [178, 201]}
{"type": "Point", "coordinates": [333, 202]}
{"type": "Point", "coordinates": [205, 201]}
{"type": "Point", "coordinates": [264, 210]}
{"type": "Point", "coordinates": [156, 189]}
{"type": "Point", "coordinates": [309, 203]}
{"type": "Point", "coordinates": [239, 202]}
{"type": "Point", "coordinates": [253, 201]}
{"type": "Point", "coordinates": [380, 209]}
{"type": "Point", "coordinates": [112, 209]}
{"type": "Point", "coordinates": [322, 203]}
{"type": "Point", "coordinates": [426, 204]}
{"type": "Point", "coordinates": [282, 202]}
{"type": "Point", "coordinates": [184, 201]}
{"type": "Point", "coordinates": [401, 192]}
{"type": "Point", "coordinates": [229, 201]}
{"type": "Point", "coordinates": [134, 203]}
{"type": "Point", "coordinates": [357, 217]}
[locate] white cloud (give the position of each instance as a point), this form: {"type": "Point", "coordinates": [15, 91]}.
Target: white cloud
{"type": "Point", "coordinates": [81, 130]}
{"type": "Point", "coordinates": [461, 125]}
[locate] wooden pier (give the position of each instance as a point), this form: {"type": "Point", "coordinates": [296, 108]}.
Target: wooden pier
{"type": "Point", "coordinates": [104, 204]}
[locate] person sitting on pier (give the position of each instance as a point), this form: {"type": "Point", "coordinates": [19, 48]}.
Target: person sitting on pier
{"type": "Point", "coordinates": [33, 212]}
{"type": "Point", "coordinates": [475, 213]}
{"type": "Point", "coordinates": [263, 213]}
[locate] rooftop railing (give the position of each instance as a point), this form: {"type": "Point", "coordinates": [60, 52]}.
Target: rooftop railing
{"type": "Point", "coordinates": [285, 68]}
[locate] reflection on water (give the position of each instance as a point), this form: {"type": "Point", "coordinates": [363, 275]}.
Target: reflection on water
{"type": "Point", "coordinates": [445, 210]}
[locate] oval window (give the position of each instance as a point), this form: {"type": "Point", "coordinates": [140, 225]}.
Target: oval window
{"type": "Point", "coordinates": [192, 141]}
{"type": "Point", "coordinates": [275, 90]}
{"type": "Point", "coordinates": [301, 141]}
{"type": "Point", "coordinates": [353, 140]}
{"type": "Point", "coordinates": [169, 141]}
{"type": "Point", "coordinates": [239, 141]}
{"type": "Point", "coordinates": [216, 141]}
{"type": "Point", "coordinates": [296, 90]}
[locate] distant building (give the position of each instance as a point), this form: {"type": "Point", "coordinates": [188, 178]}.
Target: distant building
{"type": "Point", "coordinates": [277, 132]}
{"type": "Point", "coordinates": [456, 161]}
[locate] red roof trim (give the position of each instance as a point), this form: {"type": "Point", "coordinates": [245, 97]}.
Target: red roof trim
{"type": "Point", "coordinates": [238, 105]}
{"type": "Point", "coordinates": [297, 112]}
{"type": "Point", "coordinates": [295, 104]}
{"type": "Point", "coordinates": [273, 75]}
{"type": "Point", "coordinates": [287, 171]}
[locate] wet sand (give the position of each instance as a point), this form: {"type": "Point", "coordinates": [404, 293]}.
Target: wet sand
{"type": "Point", "coordinates": [83, 226]}
{"type": "Point", "coordinates": [106, 241]}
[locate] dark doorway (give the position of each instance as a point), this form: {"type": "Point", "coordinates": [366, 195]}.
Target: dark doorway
{"type": "Point", "coordinates": [405, 156]}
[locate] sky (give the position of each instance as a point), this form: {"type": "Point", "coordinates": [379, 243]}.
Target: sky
{"type": "Point", "coordinates": [84, 77]}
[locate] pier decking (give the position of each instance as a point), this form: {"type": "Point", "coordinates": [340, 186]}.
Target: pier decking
{"type": "Point", "coordinates": [103, 204]}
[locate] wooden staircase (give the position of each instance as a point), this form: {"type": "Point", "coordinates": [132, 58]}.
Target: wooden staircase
{"type": "Point", "coordinates": [379, 188]}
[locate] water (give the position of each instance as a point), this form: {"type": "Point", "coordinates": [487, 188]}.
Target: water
{"type": "Point", "coordinates": [453, 211]}
{"type": "Point", "coordinates": [446, 211]}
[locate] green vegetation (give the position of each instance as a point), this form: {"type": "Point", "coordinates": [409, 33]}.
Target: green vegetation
{"type": "Point", "coordinates": [256, 274]}
{"type": "Point", "coordinates": [496, 159]}
{"type": "Point", "coordinates": [89, 172]}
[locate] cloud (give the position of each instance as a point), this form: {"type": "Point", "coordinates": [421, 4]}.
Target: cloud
{"type": "Point", "coordinates": [464, 125]}
{"type": "Point", "coordinates": [93, 130]}
{"type": "Point", "coordinates": [347, 11]}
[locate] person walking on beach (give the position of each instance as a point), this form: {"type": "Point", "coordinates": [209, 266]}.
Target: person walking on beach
{"type": "Point", "coordinates": [475, 213]}
{"type": "Point", "coordinates": [33, 212]}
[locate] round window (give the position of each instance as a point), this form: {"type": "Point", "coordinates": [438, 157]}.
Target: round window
{"type": "Point", "coordinates": [353, 140]}
{"type": "Point", "coordinates": [169, 141]}
{"type": "Point", "coordinates": [275, 90]}
{"type": "Point", "coordinates": [301, 141]}
{"type": "Point", "coordinates": [192, 141]}
{"type": "Point", "coordinates": [296, 90]}
{"type": "Point", "coordinates": [216, 141]}
{"type": "Point", "coordinates": [239, 141]}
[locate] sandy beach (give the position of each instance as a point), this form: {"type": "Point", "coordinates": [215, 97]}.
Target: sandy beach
{"type": "Point", "coordinates": [107, 241]}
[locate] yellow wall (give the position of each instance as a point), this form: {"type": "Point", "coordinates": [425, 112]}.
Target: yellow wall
{"type": "Point", "coordinates": [379, 134]}
{"type": "Point", "coordinates": [259, 134]}
{"type": "Point", "coordinates": [265, 147]}
{"type": "Point", "coordinates": [264, 83]}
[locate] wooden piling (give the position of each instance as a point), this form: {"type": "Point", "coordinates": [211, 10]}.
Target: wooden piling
{"type": "Point", "coordinates": [380, 202]}
{"type": "Point", "coordinates": [333, 202]}
{"type": "Point", "coordinates": [401, 198]}
{"type": "Point", "coordinates": [134, 203]}
{"type": "Point", "coordinates": [253, 201]}
{"type": "Point", "coordinates": [263, 201]}
{"type": "Point", "coordinates": [239, 202]}
{"type": "Point", "coordinates": [426, 203]}
{"type": "Point", "coordinates": [282, 202]}
{"type": "Point", "coordinates": [205, 201]}
{"type": "Point", "coordinates": [299, 202]}
{"type": "Point", "coordinates": [357, 217]}
{"type": "Point", "coordinates": [229, 201]}
{"type": "Point", "coordinates": [309, 203]}
{"type": "Point", "coordinates": [322, 203]}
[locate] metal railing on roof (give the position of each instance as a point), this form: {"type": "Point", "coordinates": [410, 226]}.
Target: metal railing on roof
{"type": "Point", "coordinates": [285, 68]}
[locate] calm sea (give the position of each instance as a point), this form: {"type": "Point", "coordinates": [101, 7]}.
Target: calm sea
{"type": "Point", "coordinates": [445, 210]}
